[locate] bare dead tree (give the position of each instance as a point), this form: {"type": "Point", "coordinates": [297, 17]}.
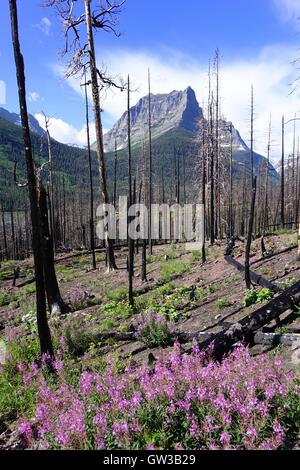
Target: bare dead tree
{"type": "Point", "coordinates": [150, 165]}
{"type": "Point", "coordinates": [50, 181]}
{"type": "Point", "coordinates": [252, 209]}
{"type": "Point", "coordinates": [282, 174]}
{"type": "Point", "coordinates": [130, 197]}
{"type": "Point", "coordinates": [42, 322]}
{"type": "Point", "coordinates": [91, 224]}
{"type": "Point", "coordinates": [82, 55]}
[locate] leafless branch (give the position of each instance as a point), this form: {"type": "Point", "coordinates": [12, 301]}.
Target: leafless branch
{"type": "Point", "coordinates": [19, 185]}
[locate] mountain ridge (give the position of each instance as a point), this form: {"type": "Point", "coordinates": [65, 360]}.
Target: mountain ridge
{"type": "Point", "coordinates": [171, 111]}
{"type": "Point", "coordinates": [14, 118]}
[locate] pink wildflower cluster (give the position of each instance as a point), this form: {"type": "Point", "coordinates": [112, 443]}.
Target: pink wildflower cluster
{"type": "Point", "coordinates": [185, 402]}
{"type": "Point", "coordinates": [78, 297]}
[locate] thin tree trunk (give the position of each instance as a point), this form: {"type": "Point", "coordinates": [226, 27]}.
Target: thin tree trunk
{"type": "Point", "coordinates": [92, 236]}
{"type": "Point", "coordinates": [129, 218]}
{"type": "Point", "coordinates": [249, 237]}
{"type": "Point", "coordinates": [55, 302]}
{"type": "Point", "coordinates": [111, 264]}
{"type": "Point", "coordinates": [282, 176]}
{"type": "Point", "coordinates": [50, 185]}
{"type": "Point", "coordinates": [42, 322]}
{"type": "Point", "coordinates": [150, 166]}
{"type": "Point", "coordinates": [203, 254]}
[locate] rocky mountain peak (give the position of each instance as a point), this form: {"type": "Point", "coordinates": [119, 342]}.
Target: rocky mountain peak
{"type": "Point", "coordinates": [168, 111]}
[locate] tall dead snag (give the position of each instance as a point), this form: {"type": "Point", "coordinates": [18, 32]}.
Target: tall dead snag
{"type": "Point", "coordinates": [265, 211]}
{"type": "Point", "coordinates": [50, 182]}
{"type": "Point", "coordinates": [42, 322]}
{"type": "Point", "coordinates": [92, 227]}
{"type": "Point", "coordinates": [282, 174]}
{"type": "Point", "coordinates": [115, 175]}
{"type": "Point", "coordinates": [212, 176]}
{"type": "Point", "coordinates": [111, 264]}
{"type": "Point", "coordinates": [144, 241]}
{"type": "Point", "coordinates": [252, 209]}
{"type": "Point", "coordinates": [150, 165]}
{"type": "Point", "coordinates": [130, 200]}
{"type": "Point", "coordinates": [103, 17]}
{"type": "Point", "coordinates": [203, 188]}
{"type": "Point", "coordinates": [217, 148]}
{"type": "Point", "coordinates": [249, 236]}
{"type": "Point", "coordinates": [231, 228]}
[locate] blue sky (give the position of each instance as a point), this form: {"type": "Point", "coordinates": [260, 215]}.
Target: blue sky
{"type": "Point", "coordinates": [257, 40]}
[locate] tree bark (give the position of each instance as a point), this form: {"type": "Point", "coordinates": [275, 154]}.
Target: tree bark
{"type": "Point", "coordinates": [111, 264]}
{"type": "Point", "coordinates": [92, 235]}
{"type": "Point", "coordinates": [249, 237]}
{"type": "Point", "coordinates": [55, 302]}
{"type": "Point", "coordinates": [42, 322]}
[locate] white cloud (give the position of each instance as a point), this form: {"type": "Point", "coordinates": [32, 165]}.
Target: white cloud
{"type": "Point", "coordinates": [45, 26]}
{"type": "Point", "coordinates": [289, 10]}
{"type": "Point", "coordinates": [67, 134]}
{"type": "Point", "coordinates": [271, 74]}
{"type": "Point", "coordinates": [33, 96]}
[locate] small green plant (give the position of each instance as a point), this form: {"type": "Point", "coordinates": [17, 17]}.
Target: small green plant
{"type": "Point", "coordinates": [108, 324]}
{"type": "Point", "coordinates": [7, 297]}
{"type": "Point", "coordinates": [250, 297]}
{"type": "Point", "coordinates": [120, 293]}
{"type": "Point", "coordinates": [171, 268]}
{"type": "Point", "coordinates": [166, 289]}
{"type": "Point", "coordinates": [255, 296]}
{"type": "Point", "coordinates": [77, 341]}
{"type": "Point", "coordinates": [263, 295]}
{"type": "Point", "coordinates": [230, 279]}
{"type": "Point", "coordinates": [211, 289]}
{"type": "Point", "coordinates": [200, 293]}
{"type": "Point", "coordinates": [286, 283]}
{"type": "Point", "coordinates": [195, 256]}
{"type": "Point", "coordinates": [222, 303]}
{"type": "Point", "coordinates": [153, 329]}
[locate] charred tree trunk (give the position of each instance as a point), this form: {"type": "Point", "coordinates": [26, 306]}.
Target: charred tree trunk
{"type": "Point", "coordinates": [115, 174]}
{"type": "Point", "coordinates": [150, 166]}
{"type": "Point", "coordinates": [203, 254]}
{"type": "Point", "coordinates": [4, 234]}
{"type": "Point", "coordinates": [50, 185]}
{"type": "Point", "coordinates": [55, 302]}
{"type": "Point", "coordinates": [111, 264]}
{"type": "Point", "coordinates": [42, 322]}
{"type": "Point", "coordinates": [282, 176]}
{"type": "Point", "coordinates": [92, 235]}
{"type": "Point", "coordinates": [249, 237]}
{"type": "Point", "coordinates": [130, 198]}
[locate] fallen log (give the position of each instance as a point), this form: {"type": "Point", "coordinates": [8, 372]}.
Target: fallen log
{"type": "Point", "coordinates": [274, 339]}
{"type": "Point", "coordinates": [257, 278]}
{"type": "Point", "coordinates": [245, 329]}
{"type": "Point", "coordinates": [277, 253]}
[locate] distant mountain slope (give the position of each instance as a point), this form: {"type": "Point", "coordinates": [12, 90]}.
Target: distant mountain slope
{"type": "Point", "coordinates": [70, 162]}
{"type": "Point", "coordinates": [15, 119]}
{"type": "Point", "coordinates": [171, 115]}
{"type": "Point", "coordinates": [168, 111]}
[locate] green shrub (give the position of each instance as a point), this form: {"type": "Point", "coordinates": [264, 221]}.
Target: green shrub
{"type": "Point", "coordinates": [222, 303]}
{"type": "Point", "coordinates": [153, 329]}
{"type": "Point", "coordinates": [255, 296]}
{"type": "Point", "coordinates": [6, 297]}
{"type": "Point", "coordinates": [195, 256]}
{"type": "Point", "coordinates": [120, 293]}
{"type": "Point", "coordinates": [171, 268]}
